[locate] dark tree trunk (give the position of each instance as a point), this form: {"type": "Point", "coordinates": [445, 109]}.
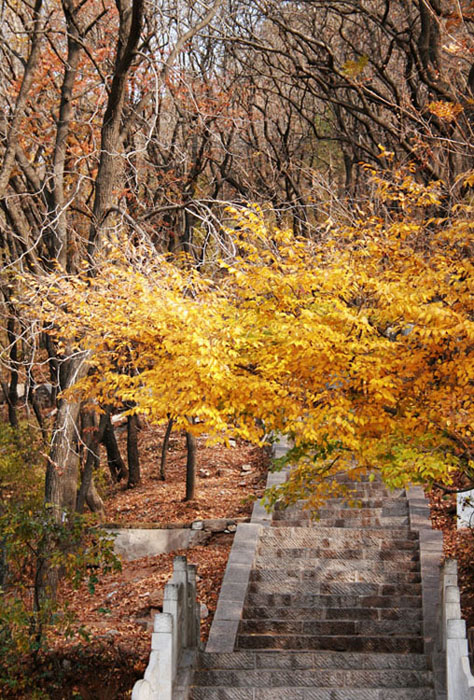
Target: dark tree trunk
{"type": "Point", "coordinates": [191, 446]}
{"type": "Point", "coordinates": [87, 492]}
{"type": "Point", "coordinates": [37, 411]}
{"type": "Point", "coordinates": [12, 397]}
{"type": "Point", "coordinates": [164, 449]}
{"type": "Point", "coordinates": [132, 452]}
{"type": "Point", "coordinates": [117, 467]}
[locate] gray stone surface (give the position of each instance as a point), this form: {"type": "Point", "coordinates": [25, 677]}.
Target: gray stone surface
{"type": "Point", "coordinates": [234, 588]}
{"type": "Point", "coordinates": [135, 543]}
{"type": "Point", "coordinates": [332, 610]}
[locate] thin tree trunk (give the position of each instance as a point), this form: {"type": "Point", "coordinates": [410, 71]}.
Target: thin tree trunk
{"type": "Point", "coordinates": [32, 398]}
{"type": "Point", "coordinates": [93, 500]}
{"type": "Point", "coordinates": [164, 449]}
{"type": "Point", "coordinates": [12, 396]}
{"type": "Point", "coordinates": [191, 446]}
{"type": "Point", "coordinates": [117, 467]}
{"type": "Point", "coordinates": [87, 492]}
{"type": "Point", "coordinates": [132, 452]}
{"type": "Point", "coordinates": [14, 131]}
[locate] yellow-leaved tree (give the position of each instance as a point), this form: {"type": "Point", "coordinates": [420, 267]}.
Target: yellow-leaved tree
{"type": "Point", "coordinates": [359, 345]}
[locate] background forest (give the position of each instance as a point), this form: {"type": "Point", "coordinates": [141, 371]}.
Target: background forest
{"type": "Point", "coordinates": [237, 219]}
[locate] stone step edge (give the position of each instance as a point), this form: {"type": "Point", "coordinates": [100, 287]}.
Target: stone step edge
{"type": "Point", "coordinates": [392, 534]}
{"type": "Point", "coordinates": [297, 692]}
{"type": "Point", "coordinates": [341, 677]}
{"type": "Point", "coordinates": [253, 659]}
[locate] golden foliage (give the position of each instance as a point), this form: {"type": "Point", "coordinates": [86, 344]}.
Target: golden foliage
{"type": "Point", "coordinates": [360, 347]}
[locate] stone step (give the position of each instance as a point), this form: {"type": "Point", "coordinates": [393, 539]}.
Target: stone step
{"type": "Point", "coordinates": [323, 535]}
{"type": "Point", "coordinates": [295, 693]}
{"type": "Point", "coordinates": [312, 599]}
{"type": "Point", "coordinates": [304, 613]}
{"type": "Point", "coordinates": [342, 643]}
{"type": "Point", "coordinates": [333, 608]}
{"type": "Point", "coordinates": [396, 515]}
{"type": "Point", "coordinates": [332, 564]}
{"type": "Point", "coordinates": [341, 543]}
{"type": "Point", "coordinates": [344, 588]}
{"type": "Point", "coordinates": [366, 521]}
{"type": "Point", "coordinates": [331, 504]}
{"type": "Point", "coordinates": [367, 506]}
{"type": "Point", "coordinates": [310, 660]}
{"type": "Point", "coordinates": [328, 574]}
{"type": "Point", "coordinates": [375, 628]}
{"type": "Point", "coordinates": [364, 490]}
{"type": "Point", "coordinates": [328, 678]}
{"type": "Point", "coordinates": [343, 551]}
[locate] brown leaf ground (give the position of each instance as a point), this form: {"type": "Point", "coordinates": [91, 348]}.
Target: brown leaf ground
{"type": "Point", "coordinates": [118, 615]}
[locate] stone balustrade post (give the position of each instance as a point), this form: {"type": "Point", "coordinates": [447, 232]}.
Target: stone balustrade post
{"type": "Point", "coordinates": [180, 578]}
{"type": "Point", "coordinates": [459, 679]}
{"type": "Point", "coordinates": [157, 683]}
{"type": "Point", "coordinates": [194, 613]}
{"type": "Point", "coordinates": [175, 629]}
{"type": "Point", "coordinates": [171, 606]}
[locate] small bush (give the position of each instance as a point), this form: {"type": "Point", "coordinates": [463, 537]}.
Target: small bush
{"type": "Point", "coordinates": [36, 550]}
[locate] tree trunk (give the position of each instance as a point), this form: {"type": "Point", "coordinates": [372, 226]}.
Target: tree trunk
{"type": "Point", "coordinates": [110, 168]}
{"type": "Point", "coordinates": [132, 452]}
{"type": "Point", "coordinates": [12, 397]}
{"type": "Point", "coordinates": [93, 500]}
{"type": "Point", "coordinates": [87, 492]}
{"type": "Point", "coordinates": [191, 446]}
{"type": "Point", "coordinates": [63, 463]}
{"type": "Point", "coordinates": [33, 400]}
{"type": "Point", "coordinates": [164, 449]}
{"type": "Point", "coordinates": [117, 467]}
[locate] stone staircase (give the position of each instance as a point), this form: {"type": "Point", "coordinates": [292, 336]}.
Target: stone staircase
{"type": "Point", "coordinates": [332, 609]}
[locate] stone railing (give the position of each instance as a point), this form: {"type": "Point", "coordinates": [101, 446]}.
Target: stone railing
{"type": "Point", "coordinates": [459, 679]}
{"type": "Point", "coordinates": [175, 637]}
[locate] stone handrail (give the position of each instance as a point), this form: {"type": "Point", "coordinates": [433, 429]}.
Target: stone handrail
{"type": "Point", "coordinates": [175, 635]}
{"type": "Point", "coordinates": [459, 678]}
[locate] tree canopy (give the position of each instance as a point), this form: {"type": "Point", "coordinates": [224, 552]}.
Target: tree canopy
{"type": "Point", "coordinates": [358, 345]}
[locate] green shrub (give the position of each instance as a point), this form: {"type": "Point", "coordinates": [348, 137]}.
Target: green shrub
{"type": "Point", "coordinates": [36, 550]}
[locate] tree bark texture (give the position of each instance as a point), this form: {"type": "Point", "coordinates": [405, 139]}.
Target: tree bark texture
{"type": "Point", "coordinates": [117, 467]}
{"type": "Point", "coordinates": [191, 445]}
{"type": "Point", "coordinates": [87, 492]}
{"type": "Point", "coordinates": [132, 452]}
{"type": "Point", "coordinates": [63, 463]}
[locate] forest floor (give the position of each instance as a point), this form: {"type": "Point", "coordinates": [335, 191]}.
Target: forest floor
{"type": "Point", "coordinates": [117, 616]}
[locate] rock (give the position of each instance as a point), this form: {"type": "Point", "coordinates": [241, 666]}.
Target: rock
{"type": "Point", "coordinates": [246, 467]}
{"type": "Point", "coordinates": [197, 525]}
{"type": "Point", "coordinates": [204, 611]}
{"type": "Point", "coordinates": [215, 525]}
